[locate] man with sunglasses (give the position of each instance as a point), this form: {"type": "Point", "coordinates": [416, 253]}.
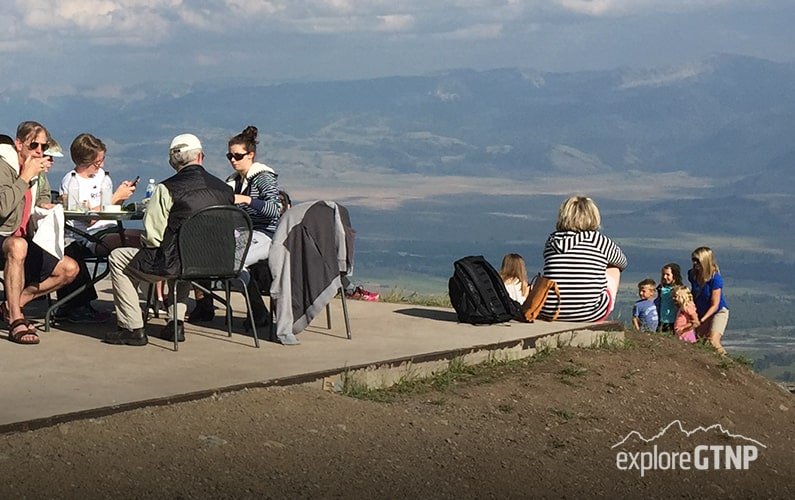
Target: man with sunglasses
{"type": "Point", "coordinates": [175, 199]}
{"type": "Point", "coordinates": [29, 271]}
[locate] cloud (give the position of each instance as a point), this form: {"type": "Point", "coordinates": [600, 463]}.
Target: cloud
{"type": "Point", "coordinates": [598, 8]}
{"type": "Point", "coordinates": [152, 21]}
{"type": "Point", "coordinates": [101, 21]}
{"type": "Point", "coordinates": [9, 46]}
{"type": "Point", "coordinates": [475, 32]}
{"type": "Point", "coordinates": [210, 59]}
{"type": "Point", "coordinates": [255, 8]}
{"type": "Point", "coordinates": [193, 39]}
{"type": "Point", "coordinates": [396, 22]}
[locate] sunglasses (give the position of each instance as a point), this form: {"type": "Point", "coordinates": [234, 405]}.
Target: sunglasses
{"type": "Point", "coordinates": [35, 145]}
{"type": "Point", "coordinates": [236, 156]}
{"type": "Point", "coordinates": [95, 164]}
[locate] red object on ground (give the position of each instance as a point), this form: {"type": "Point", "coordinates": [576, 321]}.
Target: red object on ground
{"type": "Point", "coordinates": [360, 293]}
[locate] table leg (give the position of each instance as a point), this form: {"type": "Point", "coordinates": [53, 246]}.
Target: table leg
{"type": "Point", "coordinates": [122, 236]}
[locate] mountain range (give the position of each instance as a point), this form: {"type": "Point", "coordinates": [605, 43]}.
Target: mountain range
{"type": "Point", "coordinates": [725, 117]}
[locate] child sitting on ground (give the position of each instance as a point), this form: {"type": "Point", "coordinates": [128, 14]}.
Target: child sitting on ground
{"type": "Point", "coordinates": [644, 312]}
{"type": "Point", "coordinates": [514, 275]}
{"type": "Point", "coordinates": [686, 318]}
{"type": "Point", "coordinates": [670, 277]}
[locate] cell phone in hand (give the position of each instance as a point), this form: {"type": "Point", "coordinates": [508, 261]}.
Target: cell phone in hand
{"type": "Point", "coordinates": [135, 182]}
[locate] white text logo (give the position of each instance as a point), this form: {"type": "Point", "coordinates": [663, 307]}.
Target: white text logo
{"type": "Point", "coordinates": [701, 457]}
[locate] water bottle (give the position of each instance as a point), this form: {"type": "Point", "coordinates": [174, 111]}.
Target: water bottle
{"type": "Point", "coordinates": [73, 193]}
{"type": "Point", "coordinates": [150, 190]}
{"type": "Point", "coordinates": [106, 191]}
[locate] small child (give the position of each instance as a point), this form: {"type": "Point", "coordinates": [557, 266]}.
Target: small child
{"type": "Point", "coordinates": [670, 277]}
{"type": "Point", "coordinates": [514, 276]}
{"type": "Point", "coordinates": [644, 312]}
{"type": "Point", "coordinates": [686, 319]}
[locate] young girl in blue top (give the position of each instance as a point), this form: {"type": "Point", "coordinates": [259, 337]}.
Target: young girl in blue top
{"type": "Point", "coordinates": [670, 277]}
{"type": "Point", "coordinates": [711, 305]}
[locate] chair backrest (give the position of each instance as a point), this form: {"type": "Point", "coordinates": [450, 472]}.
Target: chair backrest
{"type": "Point", "coordinates": [213, 242]}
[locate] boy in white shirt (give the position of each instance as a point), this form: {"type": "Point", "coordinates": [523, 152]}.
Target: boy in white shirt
{"type": "Point", "coordinates": [88, 155]}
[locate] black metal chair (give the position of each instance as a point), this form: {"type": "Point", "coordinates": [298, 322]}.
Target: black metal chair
{"type": "Point", "coordinates": [212, 245]}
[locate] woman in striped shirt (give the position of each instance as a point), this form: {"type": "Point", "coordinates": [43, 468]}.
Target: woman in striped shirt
{"type": "Point", "coordinates": [585, 263]}
{"type": "Point", "coordinates": [257, 193]}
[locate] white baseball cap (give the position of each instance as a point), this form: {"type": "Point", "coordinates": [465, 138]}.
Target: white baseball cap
{"type": "Point", "coordinates": [185, 142]}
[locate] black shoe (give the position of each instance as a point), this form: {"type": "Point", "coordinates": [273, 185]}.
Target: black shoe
{"type": "Point", "coordinates": [262, 317]}
{"type": "Point", "coordinates": [124, 336]}
{"type": "Point", "coordinates": [203, 312]}
{"type": "Point", "coordinates": [265, 330]}
{"type": "Point", "coordinates": [260, 322]}
{"type": "Point", "coordinates": [167, 333]}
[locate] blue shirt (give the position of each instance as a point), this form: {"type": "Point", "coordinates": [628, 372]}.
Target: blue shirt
{"type": "Point", "coordinates": [646, 312]}
{"type": "Point", "coordinates": [702, 294]}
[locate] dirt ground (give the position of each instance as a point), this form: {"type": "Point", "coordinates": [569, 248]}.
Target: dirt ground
{"type": "Point", "coordinates": [544, 428]}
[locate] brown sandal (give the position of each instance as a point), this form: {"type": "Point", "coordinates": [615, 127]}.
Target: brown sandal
{"type": "Point", "coordinates": [17, 336]}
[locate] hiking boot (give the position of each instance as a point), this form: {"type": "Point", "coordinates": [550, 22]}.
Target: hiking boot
{"type": "Point", "coordinates": [123, 336]}
{"type": "Point", "coordinates": [262, 317]}
{"type": "Point", "coordinates": [263, 326]}
{"type": "Point", "coordinates": [203, 312]}
{"type": "Point", "coordinates": [260, 322]}
{"type": "Point", "coordinates": [167, 333]}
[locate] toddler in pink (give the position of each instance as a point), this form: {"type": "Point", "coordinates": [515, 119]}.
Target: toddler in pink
{"type": "Point", "coordinates": [686, 318]}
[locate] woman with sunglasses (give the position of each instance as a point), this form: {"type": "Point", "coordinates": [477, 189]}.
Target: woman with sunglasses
{"type": "Point", "coordinates": [257, 193]}
{"type": "Point", "coordinates": [30, 272]}
{"type": "Point", "coordinates": [711, 306]}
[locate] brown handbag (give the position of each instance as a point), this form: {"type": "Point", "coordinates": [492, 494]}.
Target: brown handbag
{"type": "Point", "coordinates": [537, 296]}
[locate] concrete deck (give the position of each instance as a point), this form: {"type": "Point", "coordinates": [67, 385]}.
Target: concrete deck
{"type": "Point", "coordinates": [72, 374]}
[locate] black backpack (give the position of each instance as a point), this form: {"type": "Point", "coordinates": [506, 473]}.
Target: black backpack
{"type": "Point", "coordinates": [478, 294]}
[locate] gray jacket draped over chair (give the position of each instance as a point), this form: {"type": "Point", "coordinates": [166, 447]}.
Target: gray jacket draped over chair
{"type": "Point", "coordinates": [312, 246]}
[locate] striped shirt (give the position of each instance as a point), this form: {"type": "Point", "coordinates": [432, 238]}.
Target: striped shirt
{"type": "Point", "coordinates": [262, 186]}
{"type": "Point", "coordinates": [577, 261]}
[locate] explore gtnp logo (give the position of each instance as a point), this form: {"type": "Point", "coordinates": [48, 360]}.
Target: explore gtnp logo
{"type": "Point", "coordinates": [701, 457]}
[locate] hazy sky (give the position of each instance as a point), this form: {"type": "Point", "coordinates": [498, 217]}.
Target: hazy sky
{"type": "Point", "coordinates": [115, 42]}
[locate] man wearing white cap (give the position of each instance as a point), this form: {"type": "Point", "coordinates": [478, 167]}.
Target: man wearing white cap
{"type": "Point", "coordinates": [174, 200]}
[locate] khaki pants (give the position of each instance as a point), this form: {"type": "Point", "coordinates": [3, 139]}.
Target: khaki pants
{"type": "Point", "coordinates": [714, 325]}
{"type": "Point", "coordinates": [125, 290]}
{"type": "Point", "coordinates": [714, 328]}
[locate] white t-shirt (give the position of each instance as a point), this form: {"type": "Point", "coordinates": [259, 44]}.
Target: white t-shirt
{"type": "Point", "coordinates": [90, 190]}
{"type": "Point", "coordinates": [514, 288]}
